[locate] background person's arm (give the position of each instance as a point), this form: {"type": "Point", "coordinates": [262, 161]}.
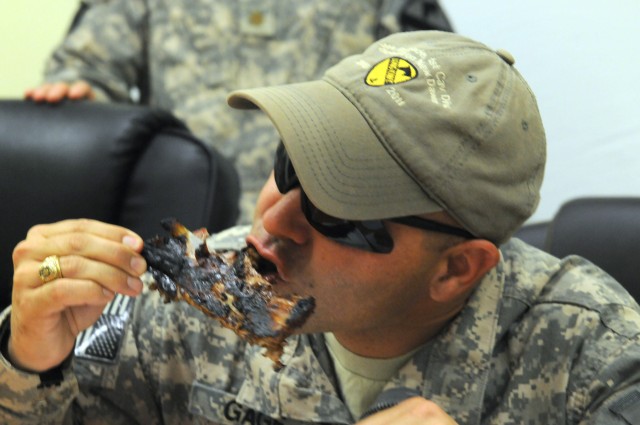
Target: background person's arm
{"type": "Point", "coordinates": [104, 50]}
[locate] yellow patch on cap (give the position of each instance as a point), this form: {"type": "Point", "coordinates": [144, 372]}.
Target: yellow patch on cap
{"type": "Point", "coordinates": [391, 71]}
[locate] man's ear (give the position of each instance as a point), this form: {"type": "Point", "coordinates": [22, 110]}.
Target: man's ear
{"type": "Point", "coordinates": [461, 267]}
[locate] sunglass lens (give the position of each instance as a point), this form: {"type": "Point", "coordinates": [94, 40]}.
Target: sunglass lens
{"type": "Point", "coordinates": [369, 235]}
{"type": "Point", "coordinates": [285, 175]}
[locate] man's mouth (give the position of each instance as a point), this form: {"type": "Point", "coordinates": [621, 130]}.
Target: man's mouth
{"type": "Point", "coordinates": [266, 268]}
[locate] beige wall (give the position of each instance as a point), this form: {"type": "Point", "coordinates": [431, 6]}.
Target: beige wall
{"type": "Point", "coordinates": [30, 30]}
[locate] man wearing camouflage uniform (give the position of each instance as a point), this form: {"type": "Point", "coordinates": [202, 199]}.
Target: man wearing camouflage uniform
{"type": "Point", "coordinates": [430, 148]}
{"type": "Point", "coordinates": [186, 56]}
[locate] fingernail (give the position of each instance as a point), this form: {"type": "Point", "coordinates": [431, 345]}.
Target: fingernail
{"type": "Point", "coordinates": [135, 284]}
{"type": "Point", "coordinates": [138, 265]}
{"type": "Point", "coordinates": [130, 241]}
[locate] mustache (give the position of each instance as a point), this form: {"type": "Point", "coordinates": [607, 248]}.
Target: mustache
{"type": "Point", "coordinates": [294, 260]}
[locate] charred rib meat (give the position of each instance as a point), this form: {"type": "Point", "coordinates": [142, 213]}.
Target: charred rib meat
{"type": "Point", "coordinates": [225, 285]}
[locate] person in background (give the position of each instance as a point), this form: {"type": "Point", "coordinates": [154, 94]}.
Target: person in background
{"type": "Point", "coordinates": [185, 56]}
{"type": "Point", "coordinates": [401, 176]}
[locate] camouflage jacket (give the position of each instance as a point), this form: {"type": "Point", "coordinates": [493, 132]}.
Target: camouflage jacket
{"type": "Point", "coordinates": [541, 341]}
{"type": "Point", "coordinates": [186, 56]}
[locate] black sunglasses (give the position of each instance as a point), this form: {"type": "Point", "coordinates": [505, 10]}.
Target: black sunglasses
{"type": "Point", "coordinates": [368, 235]}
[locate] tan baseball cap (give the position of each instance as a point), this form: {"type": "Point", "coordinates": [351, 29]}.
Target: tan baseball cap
{"type": "Point", "coordinates": [420, 122]}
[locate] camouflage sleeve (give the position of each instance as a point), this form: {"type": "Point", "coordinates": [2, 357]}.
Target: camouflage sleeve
{"type": "Point", "coordinates": [105, 48]}
{"type": "Point", "coordinates": [600, 340]}
{"type": "Point", "coordinates": [24, 401]}
{"type": "Point", "coordinates": [607, 375]}
{"type": "Point", "coordinates": [105, 384]}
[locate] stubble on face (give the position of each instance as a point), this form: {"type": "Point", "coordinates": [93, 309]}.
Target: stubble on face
{"type": "Point", "coordinates": [356, 291]}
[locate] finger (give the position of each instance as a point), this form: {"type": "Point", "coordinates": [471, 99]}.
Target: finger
{"type": "Point", "coordinates": [415, 410]}
{"type": "Point", "coordinates": [82, 301]}
{"type": "Point", "coordinates": [97, 248]}
{"type": "Point", "coordinates": [57, 92]}
{"type": "Point", "coordinates": [108, 277]}
{"type": "Point", "coordinates": [59, 294]}
{"type": "Point", "coordinates": [111, 253]}
{"type": "Point", "coordinates": [89, 226]}
{"type": "Point", "coordinates": [39, 94]}
{"type": "Point", "coordinates": [74, 229]}
{"type": "Point", "coordinates": [80, 255]}
{"type": "Point", "coordinates": [28, 93]}
{"type": "Point", "coordinates": [81, 90]}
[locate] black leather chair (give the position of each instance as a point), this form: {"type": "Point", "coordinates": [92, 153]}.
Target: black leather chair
{"type": "Point", "coordinates": [122, 164]}
{"type": "Point", "coordinates": [605, 231]}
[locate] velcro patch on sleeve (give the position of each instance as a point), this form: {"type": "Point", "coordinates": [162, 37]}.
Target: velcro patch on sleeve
{"type": "Point", "coordinates": [102, 341]}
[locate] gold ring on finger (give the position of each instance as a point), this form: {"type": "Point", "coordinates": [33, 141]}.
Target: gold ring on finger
{"type": "Point", "coordinates": [50, 269]}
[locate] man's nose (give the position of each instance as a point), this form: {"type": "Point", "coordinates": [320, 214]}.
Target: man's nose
{"type": "Point", "coordinates": [284, 218]}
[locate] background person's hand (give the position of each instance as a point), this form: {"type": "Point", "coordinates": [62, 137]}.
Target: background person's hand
{"type": "Point", "coordinates": [412, 411]}
{"type": "Point", "coordinates": [96, 259]}
{"type": "Point", "coordinates": [55, 92]}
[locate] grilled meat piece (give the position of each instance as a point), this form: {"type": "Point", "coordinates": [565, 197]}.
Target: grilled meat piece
{"type": "Point", "coordinates": [225, 285]}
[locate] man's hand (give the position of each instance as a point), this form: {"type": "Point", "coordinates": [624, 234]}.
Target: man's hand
{"type": "Point", "coordinates": [413, 411]}
{"type": "Point", "coordinates": [55, 92]}
{"type": "Point", "coordinates": [96, 259]}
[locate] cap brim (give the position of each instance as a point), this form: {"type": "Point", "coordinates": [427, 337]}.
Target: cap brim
{"type": "Point", "coordinates": [343, 167]}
